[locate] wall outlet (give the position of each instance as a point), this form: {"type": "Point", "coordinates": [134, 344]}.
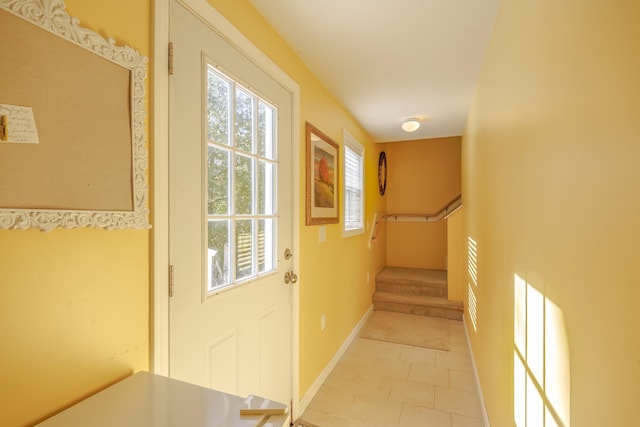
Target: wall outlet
{"type": "Point", "coordinates": [322, 234]}
{"type": "Point", "coordinates": [323, 322]}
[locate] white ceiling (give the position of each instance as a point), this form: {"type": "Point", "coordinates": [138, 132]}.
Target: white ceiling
{"type": "Point", "coordinates": [388, 60]}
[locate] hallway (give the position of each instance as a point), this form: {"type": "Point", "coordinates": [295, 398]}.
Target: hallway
{"type": "Point", "coordinates": [382, 384]}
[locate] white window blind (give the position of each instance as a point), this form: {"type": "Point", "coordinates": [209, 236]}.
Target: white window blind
{"type": "Point", "coordinates": [353, 186]}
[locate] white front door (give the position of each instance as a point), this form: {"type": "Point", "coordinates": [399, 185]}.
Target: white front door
{"type": "Point", "coordinates": [230, 316]}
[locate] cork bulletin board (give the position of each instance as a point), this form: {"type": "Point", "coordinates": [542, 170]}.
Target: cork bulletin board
{"type": "Point", "coordinates": [72, 135]}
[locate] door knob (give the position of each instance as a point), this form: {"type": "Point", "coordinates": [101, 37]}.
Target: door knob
{"type": "Point", "coordinates": [290, 277]}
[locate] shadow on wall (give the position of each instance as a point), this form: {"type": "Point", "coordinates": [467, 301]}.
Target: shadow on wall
{"type": "Point", "coordinates": [541, 371]}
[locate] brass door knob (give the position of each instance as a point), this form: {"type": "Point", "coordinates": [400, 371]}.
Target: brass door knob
{"type": "Point", "coordinates": [290, 277]}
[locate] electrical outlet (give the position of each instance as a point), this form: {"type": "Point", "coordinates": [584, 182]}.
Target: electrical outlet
{"type": "Point", "coordinates": [322, 233]}
{"type": "Point", "coordinates": [323, 322]}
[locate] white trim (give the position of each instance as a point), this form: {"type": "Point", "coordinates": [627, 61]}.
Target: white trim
{"type": "Point", "coordinates": [483, 408]}
{"type": "Point", "coordinates": [160, 212]}
{"type": "Point", "coordinates": [226, 29]}
{"type": "Point", "coordinates": [322, 377]}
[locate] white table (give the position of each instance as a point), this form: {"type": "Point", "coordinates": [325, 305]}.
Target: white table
{"type": "Point", "coordinates": [149, 400]}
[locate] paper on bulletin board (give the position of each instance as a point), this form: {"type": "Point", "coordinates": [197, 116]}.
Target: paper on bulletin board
{"type": "Point", "coordinates": [17, 125]}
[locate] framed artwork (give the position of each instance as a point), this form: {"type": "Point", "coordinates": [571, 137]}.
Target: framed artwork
{"type": "Point", "coordinates": [322, 178]}
{"type": "Point", "coordinates": [72, 123]}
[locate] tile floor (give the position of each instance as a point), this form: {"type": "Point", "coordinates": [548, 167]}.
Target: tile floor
{"type": "Point", "coordinates": [381, 384]}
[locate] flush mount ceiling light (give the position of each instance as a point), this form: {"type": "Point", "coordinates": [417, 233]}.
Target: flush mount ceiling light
{"type": "Point", "coordinates": [411, 125]}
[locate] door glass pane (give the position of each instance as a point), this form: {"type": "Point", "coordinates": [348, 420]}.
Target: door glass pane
{"type": "Point", "coordinates": [218, 253]}
{"type": "Point", "coordinates": [244, 249]}
{"type": "Point", "coordinates": [265, 245]}
{"type": "Point", "coordinates": [266, 130]}
{"type": "Point", "coordinates": [265, 187]}
{"type": "Point", "coordinates": [244, 120]}
{"type": "Point", "coordinates": [218, 104]}
{"type": "Point", "coordinates": [244, 185]}
{"type": "Point", "coordinates": [218, 181]}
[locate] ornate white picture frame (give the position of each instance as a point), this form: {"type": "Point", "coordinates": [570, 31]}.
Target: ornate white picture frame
{"type": "Point", "coordinates": [51, 15]}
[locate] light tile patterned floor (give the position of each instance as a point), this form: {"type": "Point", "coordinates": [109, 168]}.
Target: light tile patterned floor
{"type": "Point", "coordinates": [380, 384]}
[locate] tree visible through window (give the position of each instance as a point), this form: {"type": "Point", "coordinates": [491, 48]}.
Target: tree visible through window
{"type": "Point", "coordinates": [241, 182]}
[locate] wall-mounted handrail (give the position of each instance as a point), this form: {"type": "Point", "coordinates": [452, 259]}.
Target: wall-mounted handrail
{"type": "Point", "coordinates": [444, 213]}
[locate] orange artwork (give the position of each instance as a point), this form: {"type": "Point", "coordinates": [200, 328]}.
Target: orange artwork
{"type": "Point", "coordinates": [324, 169]}
{"type": "Point", "coordinates": [322, 180]}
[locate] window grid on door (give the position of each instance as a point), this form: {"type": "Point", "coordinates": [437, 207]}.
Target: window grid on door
{"type": "Point", "coordinates": [240, 183]}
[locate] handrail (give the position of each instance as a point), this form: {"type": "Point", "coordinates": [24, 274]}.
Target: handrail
{"type": "Point", "coordinates": [443, 213]}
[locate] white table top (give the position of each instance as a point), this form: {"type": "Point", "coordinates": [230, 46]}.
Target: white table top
{"type": "Point", "coordinates": [149, 400]}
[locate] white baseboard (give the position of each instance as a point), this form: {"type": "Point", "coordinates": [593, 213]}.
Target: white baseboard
{"type": "Point", "coordinates": [311, 393]}
{"type": "Point", "coordinates": [483, 408]}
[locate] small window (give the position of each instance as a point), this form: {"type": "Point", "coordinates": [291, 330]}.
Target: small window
{"type": "Point", "coordinates": [353, 190]}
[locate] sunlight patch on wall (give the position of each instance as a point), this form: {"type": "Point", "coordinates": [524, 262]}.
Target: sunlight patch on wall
{"type": "Point", "coordinates": [541, 371]}
{"type": "Point", "coordinates": [473, 260]}
{"type": "Point", "coordinates": [472, 306]}
{"type": "Point", "coordinates": [472, 285]}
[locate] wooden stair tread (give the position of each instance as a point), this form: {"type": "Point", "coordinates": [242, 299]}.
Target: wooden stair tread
{"type": "Point", "coordinates": [412, 275]}
{"type": "Point", "coordinates": [416, 300]}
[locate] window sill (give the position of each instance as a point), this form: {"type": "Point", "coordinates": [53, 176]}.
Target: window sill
{"type": "Point", "coordinates": [352, 233]}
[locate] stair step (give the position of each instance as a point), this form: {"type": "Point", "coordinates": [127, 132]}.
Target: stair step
{"type": "Point", "coordinates": [416, 304]}
{"type": "Point", "coordinates": [412, 281]}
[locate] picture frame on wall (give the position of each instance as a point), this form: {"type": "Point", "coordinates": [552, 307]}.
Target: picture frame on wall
{"type": "Point", "coordinates": [322, 167]}
{"type": "Point", "coordinates": [73, 149]}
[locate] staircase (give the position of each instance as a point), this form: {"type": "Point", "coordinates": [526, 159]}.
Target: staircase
{"type": "Point", "coordinates": [415, 291]}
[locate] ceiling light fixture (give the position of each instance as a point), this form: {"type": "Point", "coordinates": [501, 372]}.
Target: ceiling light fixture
{"type": "Point", "coordinates": [411, 125]}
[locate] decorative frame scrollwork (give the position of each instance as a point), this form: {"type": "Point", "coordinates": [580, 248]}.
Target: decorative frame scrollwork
{"type": "Point", "coordinates": [52, 16]}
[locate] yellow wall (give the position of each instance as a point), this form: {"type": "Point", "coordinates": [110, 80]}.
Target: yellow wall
{"type": "Point", "coordinates": [74, 304]}
{"type": "Point", "coordinates": [333, 274]}
{"type": "Point", "coordinates": [551, 166]}
{"type": "Point", "coordinates": [423, 176]}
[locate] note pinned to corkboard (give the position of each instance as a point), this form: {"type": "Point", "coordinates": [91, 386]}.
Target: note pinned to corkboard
{"type": "Point", "coordinates": [17, 125]}
{"type": "Point", "coordinates": [72, 135]}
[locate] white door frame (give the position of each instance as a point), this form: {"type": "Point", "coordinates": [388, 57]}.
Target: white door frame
{"type": "Point", "coordinates": [160, 309]}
